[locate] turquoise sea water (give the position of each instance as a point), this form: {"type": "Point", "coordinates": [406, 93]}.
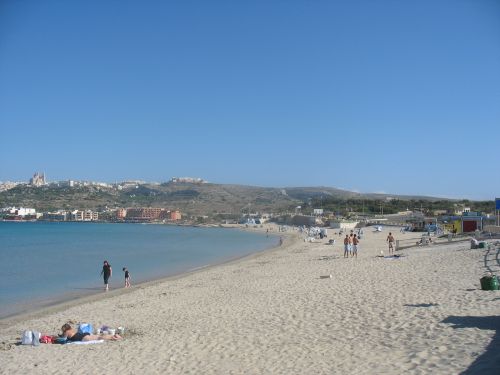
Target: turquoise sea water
{"type": "Point", "coordinates": [41, 263]}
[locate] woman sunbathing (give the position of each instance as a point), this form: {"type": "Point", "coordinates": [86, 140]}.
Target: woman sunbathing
{"type": "Point", "coordinates": [73, 335]}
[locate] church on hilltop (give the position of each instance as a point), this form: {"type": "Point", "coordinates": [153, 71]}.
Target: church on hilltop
{"type": "Point", "coordinates": [38, 179]}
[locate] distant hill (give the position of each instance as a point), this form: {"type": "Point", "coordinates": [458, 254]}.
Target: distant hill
{"type": "Point", "coordinates": [306, 193]}
{"type": "Point", "coordinates": [193, 199]}
{"type": "Point", "coordinates": [190, 198]}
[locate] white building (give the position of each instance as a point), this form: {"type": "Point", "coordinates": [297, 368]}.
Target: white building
{"type": "Point", "coordinates": [86, 215]}
{"type": "Point", "coordinates": [67, 183]}
{"type": "Point", "coordinates": [89, 215]}
{"type": "Point", "coordinates": [76, 215]}
{"type": "Point", "coordinates": [7, 185]}
{"type": "Point", "coordinates": [189, 180]}
{"type": "Point", "coordinates": [21, 211]}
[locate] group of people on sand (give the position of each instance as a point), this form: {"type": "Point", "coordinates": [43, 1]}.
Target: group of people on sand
{"type": "Point", "coordinates": [107, 272]}
{"type": "Point", "coordinates": [351, 242]}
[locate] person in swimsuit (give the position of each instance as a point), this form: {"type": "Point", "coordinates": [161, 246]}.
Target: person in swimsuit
{"type": "Point", "coordinates": [390, 239]}
{"type": "Point", "coordinates": [355, 242]}
{"type": "Point", "coordinates": [106, 273]}
{"type": "Point", "coordinates": [73, 335]}
{"type": "Point", "coordinates": [127, 277]}
{"type": "Point", "coordinates": [346, 246]}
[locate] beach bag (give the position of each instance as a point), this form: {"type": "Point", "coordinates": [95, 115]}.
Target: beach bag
{"type": "Point", "coordinates": [85, 328]}
{"type": "Point", "coordinates": [27, 338]}
{"type": "Point", "coordinates": [36, 338]}
{"type": "Point", "coordinates": [31, 338]}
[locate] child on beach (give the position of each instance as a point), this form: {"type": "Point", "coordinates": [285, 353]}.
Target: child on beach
{"type": "Point", "coordinates": [127, 277]}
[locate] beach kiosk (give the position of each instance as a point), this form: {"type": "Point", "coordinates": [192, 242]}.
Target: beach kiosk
{"type": "Point", "coordinates": [472, 221]}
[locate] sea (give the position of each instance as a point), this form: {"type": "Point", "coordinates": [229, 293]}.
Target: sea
{"type": "Point", "coordinates": [43, 263]}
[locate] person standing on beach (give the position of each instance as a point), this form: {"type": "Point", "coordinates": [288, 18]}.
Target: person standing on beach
{"type": "Point", "coordinates": [355, 242]}
{"type": "Point", "coordinates": [106, 272]}
{"type": "Point", "coordinates": [127, 277]}
{"type": "Point", "coordinates": [390, 239]}
{"type": "Point", "coordinates": [346, 246]}
{"type": "Point", "coordinates": [350, 243]}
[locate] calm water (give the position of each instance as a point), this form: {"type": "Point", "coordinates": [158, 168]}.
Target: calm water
{"type": "Point", "coordinates": [41, 263]}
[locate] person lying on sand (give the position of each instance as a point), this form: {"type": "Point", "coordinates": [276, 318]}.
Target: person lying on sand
{"type": "Point", "coordinates": [73, 335]}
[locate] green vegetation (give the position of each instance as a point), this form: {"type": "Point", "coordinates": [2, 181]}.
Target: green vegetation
{"type": "Point", "coordinates": [392, 206]}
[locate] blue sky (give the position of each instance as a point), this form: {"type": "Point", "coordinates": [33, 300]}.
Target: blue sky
{"type": "Point", "coordinates": [374, 96]}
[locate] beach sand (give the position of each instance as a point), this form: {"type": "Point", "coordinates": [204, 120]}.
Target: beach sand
{"type": "Point", "coordinates": [273, 314]}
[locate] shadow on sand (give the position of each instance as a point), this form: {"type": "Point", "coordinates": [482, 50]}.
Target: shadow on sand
{"type": "Point", "coordinates": [489, 361]}
{"type": "Point", "coordinates": [422, 305]}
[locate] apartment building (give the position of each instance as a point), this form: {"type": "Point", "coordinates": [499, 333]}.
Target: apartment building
{"type": "Point", "coordinates": [148, 214]}
{"type": "Point", "coordinates": [175, 215]}
{"type": "Point", "coordinates": [86, 215]}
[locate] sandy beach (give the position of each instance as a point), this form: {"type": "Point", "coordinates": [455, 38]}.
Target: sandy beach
{"type": "Point", "coordinates": [273, 313]}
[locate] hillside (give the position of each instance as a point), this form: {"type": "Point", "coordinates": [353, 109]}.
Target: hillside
{"type": "Point", "coordinates": [190, 198]}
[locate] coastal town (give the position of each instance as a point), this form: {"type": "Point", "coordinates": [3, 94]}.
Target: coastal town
{"type": "Point", "coordinates": [135, 214]}
{"type": "Point", "coordinates": [458, 219]}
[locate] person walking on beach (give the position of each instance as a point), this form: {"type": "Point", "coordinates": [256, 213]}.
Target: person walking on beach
{"type": "Point", "coordinates": [390, 239]}
{"type": "Point", "coordinates": [106, 273]}
{"type": "Point", "coordinates": [355, 242]}
{"type": "Point", "coordinates": [346, 246]}
{"type": "Point", "coordinates": [127, 277]}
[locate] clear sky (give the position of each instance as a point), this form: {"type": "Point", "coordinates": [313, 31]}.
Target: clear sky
{"type": "Point", "coordinates": [401, 97]}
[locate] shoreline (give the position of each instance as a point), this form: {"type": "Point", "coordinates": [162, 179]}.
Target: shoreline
{"type": "Point", "coordinates": [64, 302]}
